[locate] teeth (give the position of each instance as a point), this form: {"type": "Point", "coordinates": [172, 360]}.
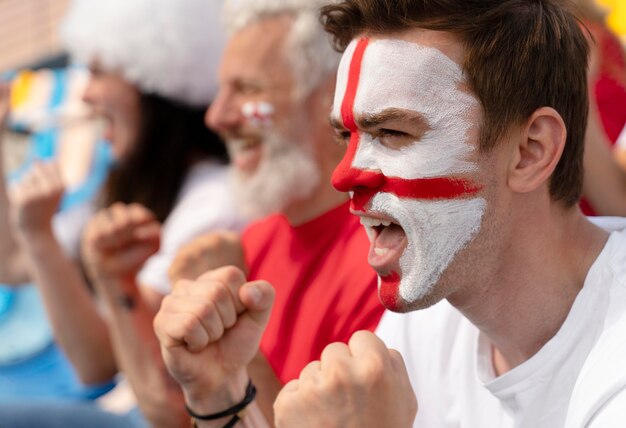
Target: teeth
{"type": "Point", "coordinates": [243, 143]}
{"type": "Point", "coordinates": [372, 222]}
{"type": "Point", "coordinates": [381, 251]}
{"type": "Point", "coordinates": [248, 143]}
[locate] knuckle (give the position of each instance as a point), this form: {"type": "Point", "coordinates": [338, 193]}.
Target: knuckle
{"type": "Point", "coordinates": [233, 274]}
{"type": "Point", "coordinates": [183, 287]}
{"type": "Point", "coordinates": [374, 370]}
{"type": "Point", "coordinates": [218, 292]}
{"type": "Point", "coordinates": [157, 321]}
{"type": "Point", "coordinates": [214, 331]}
{"type": "Point", "coordinates": [188, 324]}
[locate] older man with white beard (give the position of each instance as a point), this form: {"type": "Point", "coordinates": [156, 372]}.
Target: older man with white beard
{"type": "Point", "coordinates": [276, 87]}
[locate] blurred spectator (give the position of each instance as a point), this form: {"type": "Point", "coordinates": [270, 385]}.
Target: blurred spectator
{"type": "Point", "coordinates": [153, 74]}
{"type": "Point", "coordinates": [605, 184]}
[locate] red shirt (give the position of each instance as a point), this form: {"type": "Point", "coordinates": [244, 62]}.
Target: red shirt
{"type": "Point", "coordinates": [325, 290]}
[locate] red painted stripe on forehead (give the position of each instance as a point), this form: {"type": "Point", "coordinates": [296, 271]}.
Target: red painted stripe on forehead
{"type": "Point", "coordinates": [430, 189]}
{"type": "Point", "coordinates": [347, 105]}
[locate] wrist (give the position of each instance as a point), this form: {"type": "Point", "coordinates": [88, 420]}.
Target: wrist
{"type": "Point", "coordinates": [119, 292]}
{"type": "Point", "coordinates": [36, 229]}
{"type": "Point", "coordinates": [37, 241]}
{"type": "Point", "coordinates": [205, 401]}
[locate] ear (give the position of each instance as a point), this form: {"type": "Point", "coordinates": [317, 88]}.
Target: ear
{"type": "Point", "coordinates": [538, 150]}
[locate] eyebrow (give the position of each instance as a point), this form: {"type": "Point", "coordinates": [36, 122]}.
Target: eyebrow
{"type": "Point", "coordinates": [368, 121]}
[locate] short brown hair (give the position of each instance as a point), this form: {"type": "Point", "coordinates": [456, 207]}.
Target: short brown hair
{"type": "Point", "coordinates": [520, 55]}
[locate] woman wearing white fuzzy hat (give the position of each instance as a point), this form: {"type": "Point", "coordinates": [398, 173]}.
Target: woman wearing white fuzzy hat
{"type": "Point", "coordinates": [153, 66]}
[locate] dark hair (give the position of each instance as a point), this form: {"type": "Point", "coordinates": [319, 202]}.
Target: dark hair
{"type": "Point", "coordinates": [171, 138]}
{"type": "Point", "coordinates": [520, 55]}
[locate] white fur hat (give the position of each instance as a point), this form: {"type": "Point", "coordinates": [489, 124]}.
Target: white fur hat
{"type": "Point", "coordinates": [167, 47]}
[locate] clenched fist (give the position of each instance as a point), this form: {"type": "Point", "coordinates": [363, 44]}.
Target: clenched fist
{"type": "Point", "coordinates": [35, 198]}
{"type": "Point", "coordinates": [210, 330]}
{"type": "Point", "coordinates": [359, 385]}
{"type": "Point", "coordinates": [118, 240]}
{"type": "Point", "coordinates": [205, 253]}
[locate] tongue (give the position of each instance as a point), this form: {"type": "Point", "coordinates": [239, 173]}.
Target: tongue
{"type": "Point", "coordinates": [390, 237]}
{"type": "Point", "coordinates": [247, 159]}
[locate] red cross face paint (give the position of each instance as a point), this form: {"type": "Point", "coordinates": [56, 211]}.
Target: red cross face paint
{"type": "Point", "coordinates": [258, 114]}
{"type": "Point", "coordinates": [417, 199]}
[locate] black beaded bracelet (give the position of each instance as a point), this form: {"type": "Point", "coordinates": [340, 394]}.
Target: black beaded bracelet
{"type": "Point", "coordinates": [230, 424]}
{"type": "Point", "coordinates": [231, 411]}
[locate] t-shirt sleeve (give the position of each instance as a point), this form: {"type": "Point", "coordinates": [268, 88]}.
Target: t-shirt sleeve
{"type": "Point", "coordinates": [205, 204]}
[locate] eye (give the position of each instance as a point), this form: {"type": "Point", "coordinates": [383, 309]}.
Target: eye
{"type": "Point", "coordinates": [392, 138]}
{"type": "Point", "coordinates": [247, 88]}
{"type": "Point", "coordinates": [391, 133]}
{"type": "Point", "coordinates": [342, 137]}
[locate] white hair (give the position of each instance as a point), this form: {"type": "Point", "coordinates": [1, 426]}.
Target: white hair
{"type": "Point", "coordinates": [167, 47]}
{"type": "Point", "coordinates": [308, 47]}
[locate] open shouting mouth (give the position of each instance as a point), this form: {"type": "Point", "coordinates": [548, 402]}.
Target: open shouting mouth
{"type": "Point", "coordinates": [387, 242]}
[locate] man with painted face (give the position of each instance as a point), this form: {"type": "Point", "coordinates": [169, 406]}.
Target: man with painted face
{"type": "Point", "coordinates": [464, 124]}
{"type": "Point", "coordinates": [277, 78]}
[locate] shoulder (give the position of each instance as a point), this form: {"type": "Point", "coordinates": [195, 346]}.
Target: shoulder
{"type": "Point", "coordinates": [600, 390]}
{"type": "Point", "coordinates": [205, 203]}
{"type": "Point", "coordinates": [205, 180]}
{"type": "Point", "coordinates": [260, 231]}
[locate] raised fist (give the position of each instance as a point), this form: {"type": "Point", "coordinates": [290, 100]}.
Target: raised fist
{"type": "Point", "coordinates": [210, 330]}
{"type": "Point", "coordinates": [359, 385]}
{"type": "Point", "coordinates": [118, 240]}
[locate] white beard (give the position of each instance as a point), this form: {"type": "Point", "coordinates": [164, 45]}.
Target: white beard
{"type": "Point", "coordinates": [286, 173]}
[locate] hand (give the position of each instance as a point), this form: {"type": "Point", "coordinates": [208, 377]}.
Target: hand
{"type": "Point", "coordinates": [360, 385]}
{"type": "Point", "coordinates": [5, 103]}
{"type": "Point", "coordinates": [210, 330]}
{"type": "Point", "coordinates": [207, 252]}
{"type": "Point", "coordinates": [36, 198]}
{"type": "Point", "coordinates": [118, 240]}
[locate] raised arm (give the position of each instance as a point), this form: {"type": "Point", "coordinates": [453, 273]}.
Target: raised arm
{"type": "Point", "coordinates": [210, 330]}
{"type": "Point", "coordinates": [13, 266]}
{"type": "Point", "coordinates": [116, 244]}
{"type": "Point", "coordinates": [76, 321]}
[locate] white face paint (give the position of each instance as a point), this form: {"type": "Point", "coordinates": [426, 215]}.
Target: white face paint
{"type": "Point", "coordinates": [258, 114]}
{"type": "Point", "coordinates": [424, 186]}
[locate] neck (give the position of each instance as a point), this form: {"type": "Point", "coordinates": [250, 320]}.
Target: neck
{"type": "Point", "coordinates": [526, 299]}
{"type": "Point", "coordinates": [323, 199]}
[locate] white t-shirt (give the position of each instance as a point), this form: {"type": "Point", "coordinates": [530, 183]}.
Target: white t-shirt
{"type": "Point", "coordinates": [577, 379]}
{"type": "Point", "coordinates": [204, 203]}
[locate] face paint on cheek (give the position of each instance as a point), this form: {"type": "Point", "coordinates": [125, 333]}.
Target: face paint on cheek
{"type": "Point", "coordinates": [434, 232]}
{"type": "Point", "coordinates": [258, 114]}
{"type": "Point", "coordinates": [425, 186]}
